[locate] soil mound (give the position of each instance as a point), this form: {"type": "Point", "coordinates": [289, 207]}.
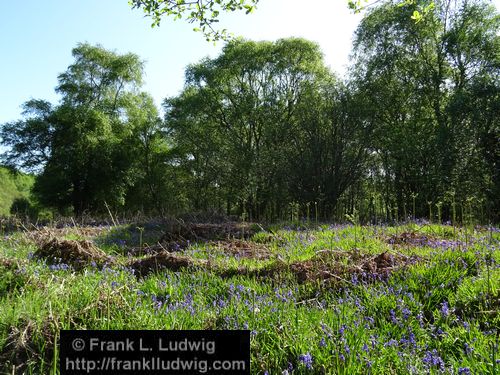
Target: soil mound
{"type": "Point", "coordinates": [75, 253]}
{"type": "Point", "coordinates": [20, 349]}
{"type": "Point", "coordinates": [164, 261]}
{"type": "Point", "coordinates": [348, 267]}
{"type": "Point", "coordinates": [244, 249]}
{"type": "Point", "coordinates": [180, 235]}
{"type": "Point", "coordinates": [409, 238]}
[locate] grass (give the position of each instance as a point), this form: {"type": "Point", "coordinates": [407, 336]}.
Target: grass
{"type": "Point", "coordinates": [438, 314]}
{"type": "Point", "coordinates": [12, 187]}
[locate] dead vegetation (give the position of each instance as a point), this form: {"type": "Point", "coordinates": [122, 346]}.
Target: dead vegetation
{"type": "Point", "coordinates": [26, 346]}
{"type": "Point", "coordinates": [77, 254]}
{"type": "Point", "coordinates": [40, 234]}
{"type": "Point", "coordinates": [328, 266]}
{"type": "Point", "coordinates": [349, 266]}
{"type": "Point", "coordinates": [164, 261]}
{"type": "Point", "coordinates": [409, 239]}
{"type": "Point", "coordinates": [203, 232]}
{"type": "Point", "coordinates": [243, 249]}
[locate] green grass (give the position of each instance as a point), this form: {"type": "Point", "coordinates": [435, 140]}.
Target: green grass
{"type": "Point", "coordinates": [438, 315]}
{"type": "Point", "coordinates": [12, 187]}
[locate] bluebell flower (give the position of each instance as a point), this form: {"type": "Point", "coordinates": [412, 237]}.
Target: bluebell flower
{"type": "Point", "coordinates": [306, 359]}
{"type": "Point", "coordinates": [406, 313]}
{"type": "Point", "coordinates": [445, 310]}
{"type": "Point", "coordinates": [468, 349]}
{"type": "Point", "coordinates": [432, 359]}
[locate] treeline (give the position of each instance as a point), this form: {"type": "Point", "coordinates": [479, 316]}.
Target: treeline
{"type": "Point", "coordinates": [266, 131]}
{"type": "Point", "coordinates": [14, 193]}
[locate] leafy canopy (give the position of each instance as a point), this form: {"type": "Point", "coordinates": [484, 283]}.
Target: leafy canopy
{"type": "Point", "coordinates": [206, 12]}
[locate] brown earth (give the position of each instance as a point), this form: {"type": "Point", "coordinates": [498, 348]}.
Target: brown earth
{"type": "Point", "coordinates": [332, 266]}
{"type": "Point", "coordinates": [408, 238]}
{"type": "Point", "coordinates": [164, 261]}
{"type": "Point", "coordinates": [75, 253]}
{"type": "Point", "coordinates": [243, 249]}
{"type": "Point", "coordinates": [20, 349]}
{"type": "Point", "coordinates": [198, 232]}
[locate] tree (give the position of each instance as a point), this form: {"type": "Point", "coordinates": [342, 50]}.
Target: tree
{"type": "Point", "coordinates": [157, 185]}
{"type": "Point", "coordinates": [265, 126]}
{"type": "Point", "coordinates": [206, 12]}
{"type": "Point", "coordinates": [417, 77]}
{"type": "Point", "coordinates": [77, 145]}
{"type": "Point", "coordinates": [235, 116]}
{"type": "Point", "coordinates": [203, 12]}
{"type": "Point", "coordinates": [29, 141]}
{"type": "Point", "coordinates": [330, 148]}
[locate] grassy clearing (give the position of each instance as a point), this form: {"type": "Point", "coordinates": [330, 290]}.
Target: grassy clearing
{"type": "Point", "coordinates": [317, 300]}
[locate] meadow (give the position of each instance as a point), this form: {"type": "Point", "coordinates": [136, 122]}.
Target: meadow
{"type": "Point", "coordinates": [414, 298]}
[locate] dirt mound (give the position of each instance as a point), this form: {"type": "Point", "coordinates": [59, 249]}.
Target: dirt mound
{"type": "Point", "coordinates": [75, 253]}
{"type": "Point", "coordinates": [164, 261]}
{"type": "Point", "coordinates": [348, 267]}
{"type": "Point", "coordinates": [22, 347]}
{"type": "Point", "coordinates": [409, 238]}
{"type": "Point", "coordinates": [243, 249]}
{"type": "Point", "coordinates": [184, 233]}
{"type": "Point", "coordinates": [41, 234]}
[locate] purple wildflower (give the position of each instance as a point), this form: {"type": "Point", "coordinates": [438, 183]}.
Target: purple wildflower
{"type": "Point", "coordinates": [445, 310]}
{"type": "Point", "coordinates": [432, 359]}
{"type": "Point", "coordinates": [306, 359]}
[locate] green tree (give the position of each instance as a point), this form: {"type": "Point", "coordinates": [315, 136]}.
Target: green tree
{"type": "Point", "coordinates": [236, 115]}
{"type": "Point", "coordinates": [418, 77]}
{"type": "Point", "coordinates": [266, 125]}
{"type": "Point", "coordinates": [157, 185]}
{"type": "Point", "coordinates": [203, 12]}
{"type": "Point", "coordinates": [78, 145]}
{"type": "Point", "coordinates": [206, 13]}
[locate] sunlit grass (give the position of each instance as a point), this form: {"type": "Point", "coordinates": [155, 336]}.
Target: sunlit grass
{"type": "Point", "coordinates": [435, 316]}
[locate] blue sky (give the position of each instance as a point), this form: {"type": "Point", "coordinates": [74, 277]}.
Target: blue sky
{"type": "Point", "coordinates": [36, 38]}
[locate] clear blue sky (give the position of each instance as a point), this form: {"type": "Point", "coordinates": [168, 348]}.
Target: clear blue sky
{"type": "Point", "coordinates": [36, 38]}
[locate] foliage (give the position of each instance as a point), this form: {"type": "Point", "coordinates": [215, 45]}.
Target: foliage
{"type": "Point", "coordinates": [420, 80]}
{"type": "Point", "coordinates": [207, 12]}
{"type": "Point", "coordinates": [203, 12]}
{"type": "Point", "coordinates": [265, 130]}
{"type": "Point", "coordinates": [244, 116]}
{"type": "Point", "coordinates": [13, 186]}
{"type": "Point", "coordinates": [78, 146]}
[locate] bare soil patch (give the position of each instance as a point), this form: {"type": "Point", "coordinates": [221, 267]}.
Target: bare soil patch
{"type": "Point", "coordinates": [409, 238]}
